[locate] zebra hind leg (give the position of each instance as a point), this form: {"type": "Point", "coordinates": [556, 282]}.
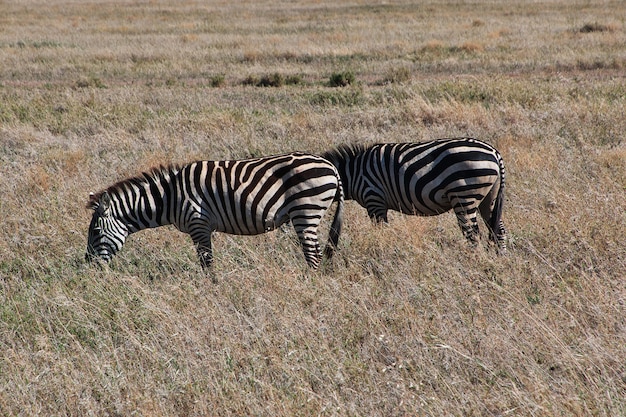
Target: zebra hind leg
{"type": "Point", "coordinates": [468, 223]}
{"type": "Point", "coordinates": [310, 245]}
{"type": "Point", "coordinates": [500, 238]}
{"type": "Point", "coordinates": [491, 212]}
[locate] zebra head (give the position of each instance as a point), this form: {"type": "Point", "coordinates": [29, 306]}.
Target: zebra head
{"type": "Point", "coordinates": [106, 232]}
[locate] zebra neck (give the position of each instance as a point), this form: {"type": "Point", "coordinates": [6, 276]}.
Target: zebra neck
{"type": "Point", "coordinates": [146, 205]}
{"type": "Point", "coordinates": [349, 172]}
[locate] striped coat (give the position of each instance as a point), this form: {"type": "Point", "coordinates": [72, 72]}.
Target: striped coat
{"type": "Point", "coordinates": [245, 197]}
{"type": "Point", "coordinates": [462, 174]}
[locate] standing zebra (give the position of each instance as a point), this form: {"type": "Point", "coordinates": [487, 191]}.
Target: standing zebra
{"type": "Point", "coordinates": [245, 197]}
{"type": "Point", "coordinates": [427, 179]}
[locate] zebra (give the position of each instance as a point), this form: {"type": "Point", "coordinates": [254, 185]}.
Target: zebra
{"type": "Point", "coordinates": [242, 197]}
{"type": "Point", "coordinates": [430, 178]}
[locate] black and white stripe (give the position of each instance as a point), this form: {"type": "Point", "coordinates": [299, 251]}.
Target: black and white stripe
{"type": "Point", "coordinates": [245, 197]}
{"type": "Point", "coordinates": [427, 179]}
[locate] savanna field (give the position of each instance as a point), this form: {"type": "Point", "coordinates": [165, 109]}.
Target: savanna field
{"type": "Point", "coordinates": [407, 319]}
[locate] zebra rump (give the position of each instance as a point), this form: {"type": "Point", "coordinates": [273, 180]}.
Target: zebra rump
{"type": "Point", "coordinates": [426, 179]}
{"type": "Point", "coordinates": [244, 197]}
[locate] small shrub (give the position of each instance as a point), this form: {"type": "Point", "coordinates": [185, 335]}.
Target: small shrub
{"type": "Point", "coordinates": [351, 97]}
{"type": "Point", "coordinates": [37, 44]}
{"type": "Point", "coordinates": [439, 48]}
{"type": "Point", "coordinates": [341, 79]}
{"type": "Point", "coordinates": [272, 80]}
{"type": "Point", "coordinates": [294, 80]}
{"type": "Point", "coordinates": [217, 80]}
{"type": "Point", "coordinates": [251, 80]}
{"type": "Point", "coordinates": [84, 83]}
{"type": "Point", "coordinates": [596, 27]}
{"type": "Point", "coordinates": [46, 44]}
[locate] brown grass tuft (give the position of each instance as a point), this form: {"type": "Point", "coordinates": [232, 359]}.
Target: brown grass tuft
{"type": "Point", "coordinates": [433, 46]}
{"type": "Point", "coordinates": [471, 47]}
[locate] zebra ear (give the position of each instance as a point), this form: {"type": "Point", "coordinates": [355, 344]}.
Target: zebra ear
{"type": "Point", "coordinates": [105, 203]}
{"type": "Point", "coordinates": [93, 202]}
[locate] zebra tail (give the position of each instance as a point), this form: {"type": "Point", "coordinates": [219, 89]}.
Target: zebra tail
{"type": "Point", "coordinates": [335, 227]}
{"type": "Point", "coordinates": [496, 217]}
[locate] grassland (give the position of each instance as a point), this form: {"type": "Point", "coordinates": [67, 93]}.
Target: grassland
{"type": "Point", "coordinates": [407, 320]}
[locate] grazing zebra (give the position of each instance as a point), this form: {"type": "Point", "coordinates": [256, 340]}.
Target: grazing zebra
{"type": "Point", "coordinates": [427, 179]}
{"type": "Point", "coordinates": [245, 197]}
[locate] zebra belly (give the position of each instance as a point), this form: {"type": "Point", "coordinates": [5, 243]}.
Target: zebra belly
{"type": "Point", "coordinates": [419, 210]}
{"type": "Point", "coordinates": [439, 202]}
{"type": "Point", "coordinates": [418, 205]}
{"type": "Point", "coordinates": [251, 226]}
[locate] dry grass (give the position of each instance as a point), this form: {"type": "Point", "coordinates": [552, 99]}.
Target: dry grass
{"type": "Point", "coordinates": [406, 320]}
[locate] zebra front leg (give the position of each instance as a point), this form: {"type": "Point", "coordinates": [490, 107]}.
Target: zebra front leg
{"type": "Point", "coordinates": [376, 206]}
{"type": "Point", "coordinates": [205, 252]}
{"type": "Point", "coordinates": [378, 214]}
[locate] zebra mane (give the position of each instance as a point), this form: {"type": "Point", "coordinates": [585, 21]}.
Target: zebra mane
{"type": "Point", "coordinates": [345, 152]}
{"type": "Point", "coordinates": [154, 173]}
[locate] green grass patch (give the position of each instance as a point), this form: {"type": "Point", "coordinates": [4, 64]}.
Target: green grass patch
{"type": "Point", "coordinates": [341, 79]}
